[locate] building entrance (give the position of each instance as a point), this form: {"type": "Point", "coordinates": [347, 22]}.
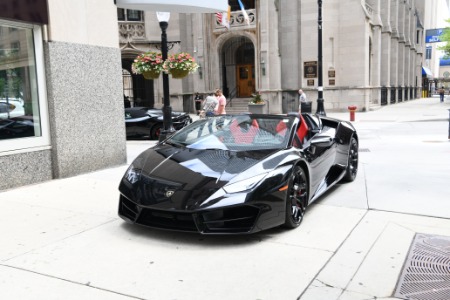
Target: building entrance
{"type": "Point", "coordinates": [245, 80]}
{"type": "Point", "coordinates": [238, 59]}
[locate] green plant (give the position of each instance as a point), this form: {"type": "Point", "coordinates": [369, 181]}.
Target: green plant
{"type": "Point", "coordinates": [180, 61]}
{"type": "Point", "coordinates": [256, 98]}
{"type": "Point", "coordinates": [146, 62]}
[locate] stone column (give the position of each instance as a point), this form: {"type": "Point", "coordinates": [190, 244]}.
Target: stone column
{"type": "Point", "coordinates": [401, 50]}
{"type": "Point", "coordinates": [269, 52]}
{"type": "Point", "coordinates": [376, 54]}
{"type": "Point", "coordinates": [407, 50]}
{"type": "Point", "coordinates": [386, 35]}
{"type": "Point", "coordinates": [394, 49]}
{"type": "Point", "coordinates": [376, 64]}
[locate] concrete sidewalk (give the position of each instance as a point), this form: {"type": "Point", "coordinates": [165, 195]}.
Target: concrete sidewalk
{"type": "Point", "coordinates": [62, 239]}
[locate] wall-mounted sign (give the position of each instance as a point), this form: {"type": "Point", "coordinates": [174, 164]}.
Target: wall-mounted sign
{"type": "Point", "coordinates": [310, 69]}
{"type": "Point", "coordinates": [331, 82]}
{"type": "Point", "coordinates": [331, 73]}
{"type": "Point", "coordinates": [310, 82]}
{"type": "Point", "coordinates": [433, 35]}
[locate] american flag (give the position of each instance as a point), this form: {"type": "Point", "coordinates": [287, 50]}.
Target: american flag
{"type": "Point", "coordinates": [223, 19]}
{"type": "Point", "coordinates": [219, 17]}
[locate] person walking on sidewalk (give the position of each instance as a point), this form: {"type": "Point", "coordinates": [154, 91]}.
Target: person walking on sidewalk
{"type": "Point", "coordinates": [442, 93]}
{"type": "Point", "coordinates": [210, 105]}
{"type": "Point", "coordinates": [222, 102]}
{"type": "Point", "coordinates": [301, 99]}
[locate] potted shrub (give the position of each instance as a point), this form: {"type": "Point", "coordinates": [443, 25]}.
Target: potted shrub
{"type": "Point", "coordinates": [256, 104]}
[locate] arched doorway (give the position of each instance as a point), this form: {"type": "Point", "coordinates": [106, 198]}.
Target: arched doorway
{"type": "Point", "coordinates": [139, 91]}
{"type": "Point", "coordinates": [238, 65]}
{"type": "Point", "coordinates": [245, 69]}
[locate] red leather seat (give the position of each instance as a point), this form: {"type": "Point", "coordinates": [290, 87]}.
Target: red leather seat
{"type": "Point", "coordinates": [244, 133]}
{"type": "Point", "coordinates": [302, 130]}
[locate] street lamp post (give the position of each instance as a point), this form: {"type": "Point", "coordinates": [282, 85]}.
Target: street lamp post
{"type": "Point", "coordinates": [320, 106]}
{"type": "Point", "coordinates": [163, 18]}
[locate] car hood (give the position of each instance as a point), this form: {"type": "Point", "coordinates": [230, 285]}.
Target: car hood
{"type": "Point", "coordinates": [183, 179]}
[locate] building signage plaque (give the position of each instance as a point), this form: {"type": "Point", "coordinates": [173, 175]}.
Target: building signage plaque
{"type": "Point", "coordinates": [310, 69]}
{"type": "Point", "coordinates": [310, 82]}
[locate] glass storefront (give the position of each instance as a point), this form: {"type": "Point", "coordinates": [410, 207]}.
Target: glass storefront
{"type": "Point", "coordinates": [21, 78]}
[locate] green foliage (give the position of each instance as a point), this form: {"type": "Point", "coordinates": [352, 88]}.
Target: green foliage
{"type": "Point", "coordinates": [445, 37]}
{"type": "Point", "coordinates": [256, 98]}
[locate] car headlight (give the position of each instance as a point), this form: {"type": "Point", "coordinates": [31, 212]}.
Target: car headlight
{"type": "Point", "coordinates": [132, 175]}
{"type": "Point", "coordinates": [243, 185]}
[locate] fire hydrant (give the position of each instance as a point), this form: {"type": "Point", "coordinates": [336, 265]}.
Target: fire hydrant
{"type": "Point", "coordinates": [352, 109]}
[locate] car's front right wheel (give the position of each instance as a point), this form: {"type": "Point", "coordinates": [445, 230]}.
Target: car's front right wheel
{"type": "Point", "coordinates": [352, 164]}
{"type": "Point", "coordinates": [296, 198]}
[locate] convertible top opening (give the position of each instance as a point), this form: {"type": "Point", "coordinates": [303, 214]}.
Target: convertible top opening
{"type": "Point", "coordinates": [237, 132]}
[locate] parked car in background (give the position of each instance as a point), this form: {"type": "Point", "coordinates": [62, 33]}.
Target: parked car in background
{"type": "Point", "coordinates": [10, 108]}
{"type": "Point", "coordinates": [17, 127]}
{"type": "Point", "coordinates": [144, 122]}
{"type": "Point", "coordinates": [238, 174]}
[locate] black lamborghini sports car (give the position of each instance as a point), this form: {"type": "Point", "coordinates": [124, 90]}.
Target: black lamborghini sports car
{"type": "Point", "coordinates": [238, 174]}
{"type": "Point", "coordinates": [144, 122]}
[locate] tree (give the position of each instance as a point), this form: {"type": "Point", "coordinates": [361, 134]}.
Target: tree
{"type": "Point", "coordinates": [445, 37]}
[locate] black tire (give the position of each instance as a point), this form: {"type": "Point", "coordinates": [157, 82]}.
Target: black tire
{"type": "Point", "coordinates": [156, 132]}
{"type": "Point", "coordinates": [352, 164]}
{"type": "Point", "coordinates": [296, 198]}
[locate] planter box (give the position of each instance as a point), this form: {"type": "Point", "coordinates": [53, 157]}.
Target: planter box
{"type": "Point", "coordinates": [257, 108]}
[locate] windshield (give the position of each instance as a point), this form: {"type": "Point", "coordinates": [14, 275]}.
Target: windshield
{"type": "Point", "coordinates": [236, 133]}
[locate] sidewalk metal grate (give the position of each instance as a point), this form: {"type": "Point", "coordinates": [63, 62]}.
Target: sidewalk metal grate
{"type": "Point", "coordinates": [426, 272]}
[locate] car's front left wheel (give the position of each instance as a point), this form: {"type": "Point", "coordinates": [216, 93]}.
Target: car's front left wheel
{"type": "Point", "coordinates": [155, 132]}
{"type": "Point", "coordinates": [296, 198]}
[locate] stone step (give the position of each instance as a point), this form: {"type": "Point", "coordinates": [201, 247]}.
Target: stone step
{"type": "Point", "coordinates": [238, 105]}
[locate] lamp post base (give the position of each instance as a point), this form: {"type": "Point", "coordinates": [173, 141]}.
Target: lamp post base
{"type": "Point", "coordinates": [320, 108]}
{"type": "Point", "coordinates": [165, 134]}
{"type": "Point", "coordinates": [168, 129]}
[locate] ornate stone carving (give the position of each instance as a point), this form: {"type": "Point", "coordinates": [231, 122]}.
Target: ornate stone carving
{"type": "Point", "coordinates": [237, 20]}
{"type": "Point", "coordinates": [131, 31]}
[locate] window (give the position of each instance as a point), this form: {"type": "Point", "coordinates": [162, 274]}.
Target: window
{"type": "Point", "coordinates": [428, 52]}
{"type": "Point", "coordinates": [129, 15]}
{"type": "Point", "coordinates": [248, 4]}
{"type": "Point", "coordinates": [23, 114]}
{"type": "Point", "coordinates": [15, 47]}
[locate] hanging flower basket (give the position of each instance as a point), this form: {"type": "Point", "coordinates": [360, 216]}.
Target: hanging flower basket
{"type": "Point", "coordinates": [150, 75]}
{"type": "Point", "coordinates": [149, 64]}
{"type": "Point", "coordinates": [178, 74]}
{"type": "Point", "coordinates": [180, 65]}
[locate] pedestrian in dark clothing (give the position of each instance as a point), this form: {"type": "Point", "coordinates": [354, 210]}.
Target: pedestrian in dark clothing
{"type": "Point", "coordinates": [442, 93]}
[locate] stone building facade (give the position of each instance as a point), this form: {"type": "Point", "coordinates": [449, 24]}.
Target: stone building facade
{"type": "Point", "coordinates": [372, 53]}
{"type": "Point", "coordinates": [61, 95]}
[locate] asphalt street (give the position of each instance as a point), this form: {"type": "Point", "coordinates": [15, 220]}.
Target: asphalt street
{"type": "Point", "coordinates": [62, 239]}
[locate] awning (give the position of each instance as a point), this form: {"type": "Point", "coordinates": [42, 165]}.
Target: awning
{"type": "Point", "coordinates": [427, 72]}
{"type": "Point", "coordinates": [180, 6]}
